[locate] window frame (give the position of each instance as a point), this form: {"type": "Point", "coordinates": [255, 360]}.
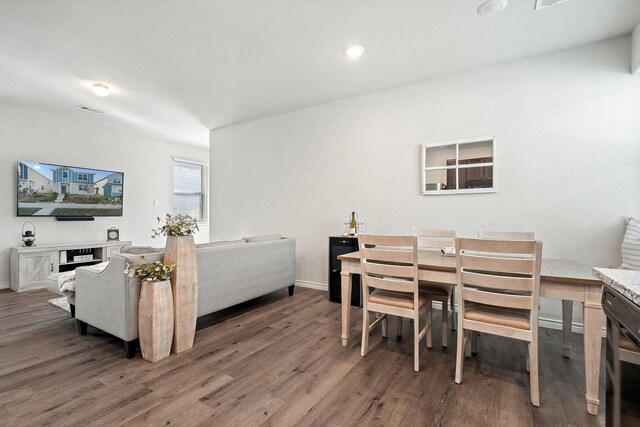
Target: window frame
{"type": "Point", "coordinates": [457, 143]}
{"type": "Point", "coordinates": [204, 186]}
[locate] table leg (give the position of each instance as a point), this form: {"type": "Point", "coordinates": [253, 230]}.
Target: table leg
{"type": "Point", "coordinates": [345, 287]}
{"type": "Point", "coordinates": [567, 317]}
{"type": "Point", "coordinates": [592, 318]}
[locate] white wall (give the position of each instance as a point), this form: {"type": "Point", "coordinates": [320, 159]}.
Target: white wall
{"type": "Point", "coordinates": [39, 136]}
{"type": "Point", "coordinates": [567, 134]}
{"type": "Point", "coordinates": [635, 50]}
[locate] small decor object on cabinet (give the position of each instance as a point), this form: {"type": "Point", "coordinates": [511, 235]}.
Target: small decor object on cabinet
{"type": "Point", "coordinates": [181, 251]}
{"type": "Point", "coordinates": [155, 308]}
{"type": "Point", "coordinates": [354, 222]}
{"type": "Point", "coordinates": [113, 234]}
{"type": "Point", "coordinates": [28, 236]}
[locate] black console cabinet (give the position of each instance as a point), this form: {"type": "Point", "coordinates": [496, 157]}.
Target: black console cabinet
{"type": "Point", "coordinates": [339, 245]}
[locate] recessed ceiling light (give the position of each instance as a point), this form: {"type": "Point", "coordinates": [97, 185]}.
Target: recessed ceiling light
{"type": "Point", "coordinates": [354, 51]}
{"type": "Point", "coordinates": [492, 7]}
{"type": "Point", "coordinates": [100, 89]}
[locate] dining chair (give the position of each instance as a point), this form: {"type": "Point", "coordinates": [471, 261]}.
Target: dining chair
{"type": "Point", "coordinates": [472, 346]}
{"type": "Point", "coordinates": [506, 235]}
{"type": "Point", "coordinates": [390, 286]}
{"type": "Point", "coordinates": [436, 240]}
{"type": "Point", "coordinates": [499, 295]}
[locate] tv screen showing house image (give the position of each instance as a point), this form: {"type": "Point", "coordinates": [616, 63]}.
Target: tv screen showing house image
{"type": "Point", "coordinates": [55, 190]}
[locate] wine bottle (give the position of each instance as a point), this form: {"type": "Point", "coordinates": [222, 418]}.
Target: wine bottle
{"type": "Point", "coordinates": [353, 224]}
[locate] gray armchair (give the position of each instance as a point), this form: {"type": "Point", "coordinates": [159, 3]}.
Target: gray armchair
{"type": "Point", "coordinates": [109, 300]}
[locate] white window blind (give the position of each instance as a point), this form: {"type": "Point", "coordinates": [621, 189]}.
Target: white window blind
{"type": "Point", "coordinates": [189, 195]}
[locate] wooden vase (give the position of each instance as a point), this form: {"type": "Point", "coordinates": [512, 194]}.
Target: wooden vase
{"type": "Point", "coordinates": [155, 320]}
{"type": "Point", "coordinates": [181, 251]}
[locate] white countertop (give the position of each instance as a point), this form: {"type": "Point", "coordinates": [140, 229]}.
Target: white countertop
{"type": "Point", "coordinates": [627, 282]}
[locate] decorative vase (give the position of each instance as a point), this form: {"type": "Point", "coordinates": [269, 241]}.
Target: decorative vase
{"type": "Point", "coordinates": [155, 320]}
{"type": "Point", "coordinates": [181, 251]}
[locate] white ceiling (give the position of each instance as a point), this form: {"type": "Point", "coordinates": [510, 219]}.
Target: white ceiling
{"type": "Point", "coordinates": [180, 67]}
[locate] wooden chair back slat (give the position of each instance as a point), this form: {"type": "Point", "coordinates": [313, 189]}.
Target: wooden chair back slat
{"type": "Point", "coordinates": [391, 270]}
{"type": "Point", "coordinates": [498, 264]}
{"type": "Point", "coordinates": [506, 235]}
{"type": "Point", "coordinates": [383, 240]}
{"type": "Point", "coordinates": [386, 254]}
{"type": "Point", "coordinates": [389, 284]}
{"type": "Point", "coordinates": [520, 302]}
{"type": "Point", "coordinates": [525, 247]}
{"type": "Point", "coordinates": [518, 284]}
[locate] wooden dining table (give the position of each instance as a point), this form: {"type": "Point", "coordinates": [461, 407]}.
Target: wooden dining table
{"type": "Point", "coordinates": [566, 280]}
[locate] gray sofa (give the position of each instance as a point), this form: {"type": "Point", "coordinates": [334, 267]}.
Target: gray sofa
{"type": "Point", "coordinates": [228, 273]}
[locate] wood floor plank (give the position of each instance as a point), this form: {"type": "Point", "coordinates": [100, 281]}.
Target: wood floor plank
{"type": "Point", "coordinates": [274, 361]}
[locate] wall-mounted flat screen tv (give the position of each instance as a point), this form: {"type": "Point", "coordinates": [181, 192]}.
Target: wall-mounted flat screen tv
{"type": "Point", "coordinates": [65, 191]}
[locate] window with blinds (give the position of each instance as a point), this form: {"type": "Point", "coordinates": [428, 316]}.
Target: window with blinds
{"type": "Point", "coordinates": [189, 195]}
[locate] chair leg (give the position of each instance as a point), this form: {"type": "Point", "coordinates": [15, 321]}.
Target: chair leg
{"type": "Point", "coordinates": [475, 337]}
{"type": "Point", "coordinates": [613, 335]}
{"type": "Point", "coordinates": [385, 325]}
{"type": "Point", "coordinates": [527, 366]}
{"type": "Point", "coordinates": [399, 326]}
{"type": "Point", "coordinates": [416, 342]}
{"type": "Point", "coordinates": [533, 373]}
{"type": "Point", "coordinates": [467, 343]}
{"type": "Point", "coordinates": [459, 354]}
{"type": "Point", "coordinates": [365, 332]}
{"type": "Point", "coordinates": [72, 310]}
{"type": "Point", "coordinates": [445, 322]}
{"type": "Point", "coordinates": [429, 319]}
{"type": "Point", "coordinates": [454, 318]}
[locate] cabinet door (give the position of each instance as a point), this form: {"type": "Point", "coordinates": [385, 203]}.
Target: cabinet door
{"type": "Point", "coordinates": [34, 268]}
{"type": "Point", "coordinates": [112, 250]}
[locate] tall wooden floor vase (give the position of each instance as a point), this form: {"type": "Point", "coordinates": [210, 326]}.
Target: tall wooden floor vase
{"type": "Point", "coordinates": [181, 251]}
{"type": "Point", "coordinates": [155, 320]}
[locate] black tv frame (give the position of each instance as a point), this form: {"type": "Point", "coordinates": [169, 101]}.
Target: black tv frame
{"type": "Point", "coordinates": [66, 218]}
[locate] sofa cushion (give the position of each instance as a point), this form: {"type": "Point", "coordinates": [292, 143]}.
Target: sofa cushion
{"type": "Point", "coordinates": [223, 243]}
{"type": "Point", "coordinates": [263, 238]}
{"type": "Point", "coordinates": [631, 245]}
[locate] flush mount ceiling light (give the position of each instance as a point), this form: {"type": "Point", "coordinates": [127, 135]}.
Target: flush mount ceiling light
{"type": "Point", "coordinates": [354, 51]}
{"type": "Point", "coordinates": [100, 89]}
{"type": "Point", "coordinates": [492, 7]}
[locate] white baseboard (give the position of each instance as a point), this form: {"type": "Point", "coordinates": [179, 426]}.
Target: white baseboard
{"type": "Point", "coordinates": [544, 322]}
{"type": "Point", "coordinates": [312, 285]}
{"type": "Point", "coordinates": [5, 285]}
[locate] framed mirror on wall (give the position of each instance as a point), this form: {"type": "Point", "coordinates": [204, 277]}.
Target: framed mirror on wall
{"type": "Point", "coordinates": [458, 166]}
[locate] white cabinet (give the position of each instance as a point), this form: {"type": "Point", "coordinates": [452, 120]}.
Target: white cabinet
{"type": "Point", "coordinates": [33, 268]}
{"type": "Point", "coordinates": [30, 266]}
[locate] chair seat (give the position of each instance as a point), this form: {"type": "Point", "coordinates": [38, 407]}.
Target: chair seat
{"type": "Point", "coordinates": [396, 299]}
{"type": "Point", "coordinates": [436, 289]}
{"type": "Point", "coordinates": [497, 316]}
{"type": "Point", "coordinates": [626, 344]}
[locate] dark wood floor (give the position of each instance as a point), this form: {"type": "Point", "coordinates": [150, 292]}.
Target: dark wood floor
{"type": "Point", "coordinates": [274, 361]}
